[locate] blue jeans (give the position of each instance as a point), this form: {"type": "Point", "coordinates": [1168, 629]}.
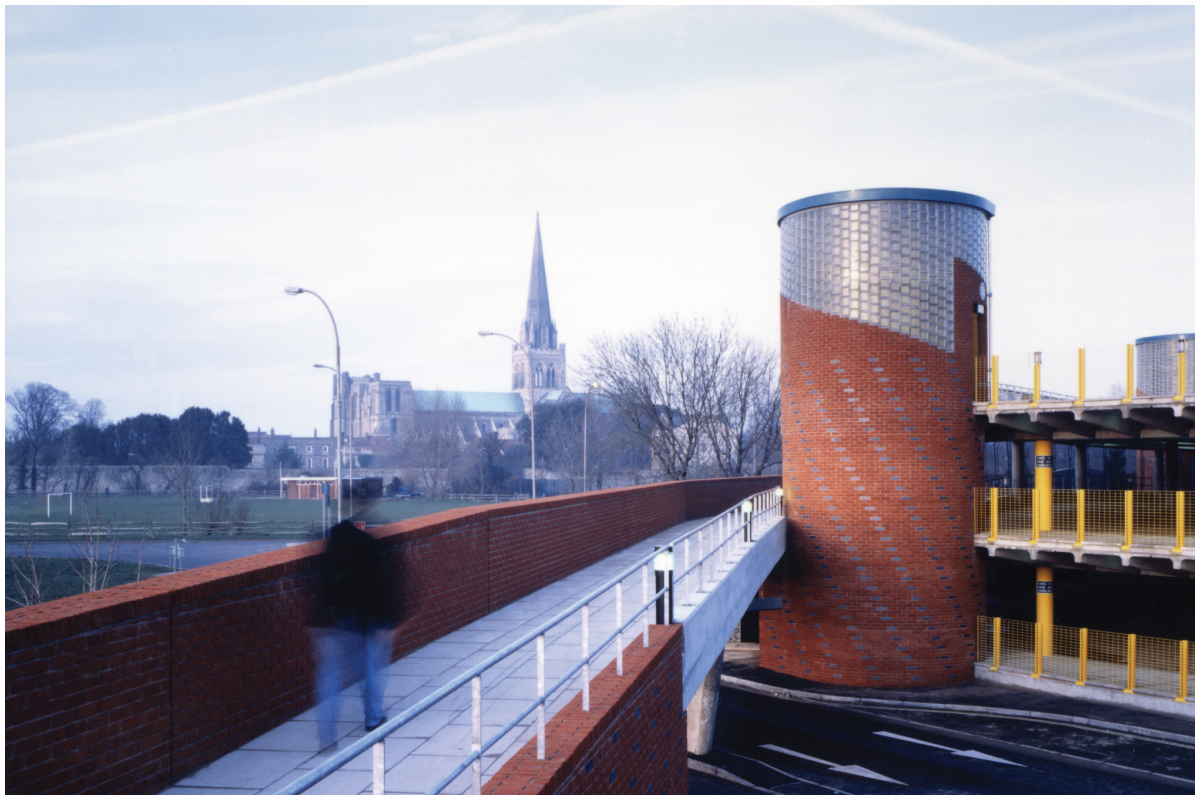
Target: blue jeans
{"type": "Point", "coordinates": [360, 654]}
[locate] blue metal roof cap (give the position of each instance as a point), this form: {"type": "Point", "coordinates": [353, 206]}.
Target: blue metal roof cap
{"type": "Point", "coordinates": [866, 195]}
{"type": "Point", "coordinates": [1169, 336]}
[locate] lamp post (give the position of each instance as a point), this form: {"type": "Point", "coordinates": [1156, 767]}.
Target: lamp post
{"type": "Point", "coordinates": [294, 290]}
{"type": "Point", "coordinates": [532, 404]}
{"type": "Point", "coordinates": [349, 442]}
{"type": "Point", "coordinates": [586, 400]}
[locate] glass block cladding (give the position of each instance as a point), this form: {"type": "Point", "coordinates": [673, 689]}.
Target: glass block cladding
{"type": "Point", "coordinates": [1158, 365]}
{"type": "Point", "coordinates": [888, 263]}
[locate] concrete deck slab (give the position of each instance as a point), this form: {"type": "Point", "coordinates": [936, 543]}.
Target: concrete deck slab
{"type": "Point", "coordinates": [421, 753]}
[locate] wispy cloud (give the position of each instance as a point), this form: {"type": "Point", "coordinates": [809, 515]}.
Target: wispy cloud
{"type": "Point", "coordinates": [524, 35]}
{"type": "Point", "coordinates": [874, 22]}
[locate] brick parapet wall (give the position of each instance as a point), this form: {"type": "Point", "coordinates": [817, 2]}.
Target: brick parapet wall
{"type": "Point", "coordinates": [633, 740]}
{"type": "Point", "coordinates": [881, 449]}
{"type": "Point", "coordinates": [131, 688]}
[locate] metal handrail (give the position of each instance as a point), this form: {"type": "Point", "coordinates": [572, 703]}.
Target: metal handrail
{"type": "Point", "coordinates": [763, 503]}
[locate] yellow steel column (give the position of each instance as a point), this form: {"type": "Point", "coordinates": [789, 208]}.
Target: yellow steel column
{"type": "Point", "coordinates": [1045, 609]}
{"type": "Point", "coordinates": [994, 380]}
{"type": "Point", "coordinates": [1131, 671]}
{"type": "Point", "coordinates": [1180, 509]}
{"type": "Point", "coordinates": [1128, 373]}
{"type": "Point", "coordinates": [1128, 520]}
{"type": "Point", "coordinates": [994, 514]}
{"type": "Point", "coordinates": [1082, 382]}
{"type": "Point", "coordinates": [1181, 368]}
{"type": "Point", "coordinates": [1043, 481]}
{"type": "Point", "coordinates": [1183, 672]}
{"type": "Point", "coordinates": [1080, 516]}
{"type": "Point", "coordinates": [1082, 657]}
{"type": "Point", "coordinates": [1037, 379]}
{"type": "Point", "coordinates": [995, 644]}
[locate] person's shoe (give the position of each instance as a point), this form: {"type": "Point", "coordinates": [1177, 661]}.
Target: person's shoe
{"type": "Point", "coordinates": [376, 725]}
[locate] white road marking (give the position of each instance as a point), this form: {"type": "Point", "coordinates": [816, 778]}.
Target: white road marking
{"type": "Point", "coordinates": [851, 769]}
{"type": "Point", "coordinates": [967, 753]}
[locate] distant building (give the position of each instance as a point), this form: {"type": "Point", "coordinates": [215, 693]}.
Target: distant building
{"type": "Point", "coordinates": [375, 407]}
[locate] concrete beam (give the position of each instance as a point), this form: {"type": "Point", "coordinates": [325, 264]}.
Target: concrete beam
{"type": "Point", "coordinates": [709, 623]}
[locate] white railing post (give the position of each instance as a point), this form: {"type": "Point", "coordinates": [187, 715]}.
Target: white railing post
{"type": "Point", "coordinates": [620, 635]}
{"type": "Point", "coordinates": [541, 690]}
{"type": "Point", "coordinates": [477, 733]}
{"type": "Point", "coordinates": [687, 563]}
{"type": "Point", "coordinates": [377, 753]}
{"type": "Point", "coordinates": [645, 605]}
{"type": "Point", "coordinates": [587, 664]}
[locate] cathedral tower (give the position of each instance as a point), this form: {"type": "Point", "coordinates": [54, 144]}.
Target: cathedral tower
{"type": "Point", "coordinates": [544, 368]}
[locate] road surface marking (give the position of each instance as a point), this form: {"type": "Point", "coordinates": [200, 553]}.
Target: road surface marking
{"type": "Point", "coordinates": [967, 753]}
{"type": "Point", "coordinates": [851, 769]}
{"type": "Point", "coordinates": [782, 772]}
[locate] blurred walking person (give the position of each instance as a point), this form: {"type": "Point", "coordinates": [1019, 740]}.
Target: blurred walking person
{"type": "Point", "coordinates": [357, 607]}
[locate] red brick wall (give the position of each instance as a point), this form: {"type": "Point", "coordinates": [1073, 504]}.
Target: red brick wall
{"type": "Point", "coordinates": [881, 450]}
{"type": "Point", "coordinates": [632, 741]}
{"type": "Point", "coordinates": [130, 688]}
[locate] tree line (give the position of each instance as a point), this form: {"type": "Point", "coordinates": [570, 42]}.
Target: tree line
{"type": "Point", "coordinates": [55, 441]}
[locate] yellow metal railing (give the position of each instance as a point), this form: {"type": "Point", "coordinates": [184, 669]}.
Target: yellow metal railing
{"type": "Point", "coordinates": [1123, 518]}
{"type": "Point", "coordinates": [1114, 372]}
{"type": "Point", "coordinates": [1121, 661]}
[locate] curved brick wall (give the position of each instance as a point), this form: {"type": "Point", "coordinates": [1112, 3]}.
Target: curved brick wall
{"type": "Point", "coordinates": [882, 584]}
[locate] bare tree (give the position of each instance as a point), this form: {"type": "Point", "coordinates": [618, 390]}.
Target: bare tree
{"type": "Point", "coordinates": [744, 436]}
{"type": "Point", "coordinates": [92, 413]}
{"type": "Point", "coordinates": [40, 412]}
{"type": "Point", "coordinates": [436, 440]}
{"type": "Point", "coordinates": [665, 383]}
{"type": "Point", "coordinates": [94, 559]}
{"type": "Point", "coordinates": [182, 468]}
{"type": "Point", "coordinates": [36, 577]}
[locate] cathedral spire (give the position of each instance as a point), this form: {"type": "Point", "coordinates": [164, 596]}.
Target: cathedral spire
{"type": "Point", "coordinates": [538, 330]}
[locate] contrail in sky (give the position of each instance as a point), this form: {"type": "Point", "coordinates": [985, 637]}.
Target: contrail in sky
{"type": "Point", "coordinates": [931, 40]}
{"type": "Point", "coordinates": [518, 36]}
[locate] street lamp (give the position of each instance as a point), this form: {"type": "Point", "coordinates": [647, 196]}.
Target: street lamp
{"type": "Point", "coordinates": [349, 442]}
{"type": "Point", "coordinates": [585, 410]}
{"type": "Point", "coordinates": [294, 290]}
{"type": "Point", "coordinates": [532, 403]}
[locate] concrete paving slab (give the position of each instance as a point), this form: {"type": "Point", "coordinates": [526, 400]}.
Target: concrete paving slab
{"type": "Point", "coordinates": [244, 769]}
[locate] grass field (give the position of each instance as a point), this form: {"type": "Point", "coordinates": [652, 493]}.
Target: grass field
{"type": "Point", "coordinates": [125, 510]}
{"type": "Point", "coordinates": [64, 582]}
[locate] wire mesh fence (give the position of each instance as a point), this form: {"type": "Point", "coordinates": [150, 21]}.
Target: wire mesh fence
{"type": "Point", "coordinates": [1124, 518]}
{"type": "Point", "coordinates": [1120, 661]}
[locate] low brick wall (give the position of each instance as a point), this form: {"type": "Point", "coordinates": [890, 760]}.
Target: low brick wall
{"type": "Point", "coordinates": [632, 741]}
{"type": "Point", "coordinates": [131, 688]}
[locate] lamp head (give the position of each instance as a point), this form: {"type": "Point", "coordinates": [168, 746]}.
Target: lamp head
{"type": "Point", "coordinates": [486, 333]}
{"type": "Point", "coordinates": [747, 507]}
{"type": "Point", "coordinates": [779, 491]}
{"type": "Point", "coordinates": [293, 290]}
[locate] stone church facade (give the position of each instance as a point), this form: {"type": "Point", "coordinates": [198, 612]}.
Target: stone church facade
{"type": "Point", "coordinates": [375, 407]}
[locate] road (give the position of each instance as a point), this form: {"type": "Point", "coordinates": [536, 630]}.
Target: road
{"type": "Point", "coordinates": [792, 748]}
{"type": "Point", "coordinates": [157, 552]}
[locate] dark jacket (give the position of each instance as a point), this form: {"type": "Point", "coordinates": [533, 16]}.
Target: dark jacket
{"type": "Point", "coordinates": [355, 585]}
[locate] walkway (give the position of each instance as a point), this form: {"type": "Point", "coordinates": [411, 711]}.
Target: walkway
{"type": "Point", "coordinates": [420, 753]}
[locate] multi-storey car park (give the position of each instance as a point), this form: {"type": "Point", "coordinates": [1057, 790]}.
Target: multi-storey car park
{"type": "Point", "coordinates": [935, 488]}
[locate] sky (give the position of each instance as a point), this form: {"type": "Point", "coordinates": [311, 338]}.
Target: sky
{"type": "Point", "coordinates": [169, 170]}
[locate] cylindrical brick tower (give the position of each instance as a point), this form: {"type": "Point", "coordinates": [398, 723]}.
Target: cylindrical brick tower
{"type": "Point", "coordinates": [883, 321]}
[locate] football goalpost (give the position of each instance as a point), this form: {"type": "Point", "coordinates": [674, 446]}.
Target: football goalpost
{"type": "Point", "coordinates": [206, 494]}
{"type": "Point", "coordinates": [70, 502]}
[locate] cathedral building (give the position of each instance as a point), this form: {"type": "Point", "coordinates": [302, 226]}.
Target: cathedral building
{"type": "Point", "coordinates": [375, 407]}
{"type": "Point", "coordinates": [540, 362]}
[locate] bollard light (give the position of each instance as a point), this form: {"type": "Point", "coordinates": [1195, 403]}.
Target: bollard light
{"type": "Point", "coordinates": [779, 491]}
{"type": "Point", "coordinates": [664, 561]}
{"type": "Point", "coordinates": [747, 507]}
{"type": "Point", "coordinates": [1180, 345]}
